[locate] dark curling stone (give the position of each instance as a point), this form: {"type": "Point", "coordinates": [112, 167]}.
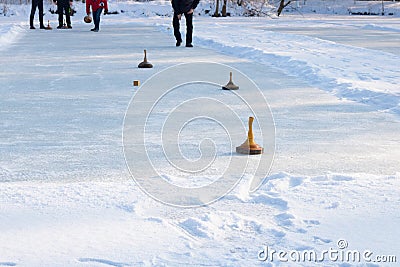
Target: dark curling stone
{"type": "Point", "coordinates": [230, 85]}
{"type": "Point", "coordinates": [145, 63]}
{"type": "Point", "coordinates": [87, 19]}
{"type": "Point", "coordinates": [250, 147]}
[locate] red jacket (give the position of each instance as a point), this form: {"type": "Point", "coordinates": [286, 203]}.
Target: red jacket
{"type": "Point", "coordinates": [96, 4]}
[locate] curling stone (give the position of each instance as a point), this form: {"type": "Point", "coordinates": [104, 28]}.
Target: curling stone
{"type": "Point", "coordinates": [250, 147]}
{"type": "Point", "coordinates": [145, 63]}
{"type": "Point", "coordinates": [87, 19]}
{"type": "Point", "coordinates": [48, 27]}
{"type": "Point", "coordinates": [230, 85]}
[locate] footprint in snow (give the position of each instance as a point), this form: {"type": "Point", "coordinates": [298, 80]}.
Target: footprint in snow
{"type": "Point", "coordinates": [334, 205]}
{"type": "Point", "coordinates": [302, 248]}
{"type": "Point", "coordinates": [277, 234]}
{"type": "Point", "coordinates": [270, 201]}
{"type": "Point", "coordinates": [284, 219]}
{"type": "Point", "coordinates": [311, 223]}
{"type": "Point", "coordinates": [342, 178]}
{"type": "Point", "coordinates": [320, 240]}
{"type": "Point", "coordinates": [106, 262]}
{"type": "Point", "coordinates": [194, 228]}
{"type": "Point", "coordinates": [153, 219]}
{"type": "Point", "coordinates": [295, 181]}
{"type": "Point", "coordinates": [127, 207]}
{"type": "Point", "coordinates": [320, 179]}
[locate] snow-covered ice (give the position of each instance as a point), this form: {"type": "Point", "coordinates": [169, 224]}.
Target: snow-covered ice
{"type": "Point", "coordinates": [66, 195]}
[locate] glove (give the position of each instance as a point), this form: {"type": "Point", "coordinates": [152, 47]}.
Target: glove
{"type": "Point", "coordinates": [105, 11]}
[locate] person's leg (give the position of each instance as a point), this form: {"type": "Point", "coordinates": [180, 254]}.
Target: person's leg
{"type": "Point", "coordinates": [60, 11]}
{"type": "Point", "coordinates": [40, 5]}
{"type": "Point", "coordinates": [189, 28]}
{"type": "Point", "coordinates": [32, 16]}
{"type": "Point", "coordinates": [177, 33]}
{"type": "Point", "coordinates": [96, 18]}
{"type": "Point", "coordinates": [67, 14]}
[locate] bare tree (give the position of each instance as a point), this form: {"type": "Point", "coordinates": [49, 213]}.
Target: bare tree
{"type": "Point", "coordinates": [282, 5]}
{"type": "Point", "coordinates": [224, 9]}
{"type": "Point", "coordinates": [216, 13]}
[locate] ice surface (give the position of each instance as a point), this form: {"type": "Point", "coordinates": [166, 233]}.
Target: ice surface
{"type": "Point", "coordinates": [66, 196]}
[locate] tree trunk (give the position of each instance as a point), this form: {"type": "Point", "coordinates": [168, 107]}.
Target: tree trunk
{"type": "Point", "coordinates": [216, 13]}
{"type": "Point", "coordinates": [282, 5]}
{"type": "Point", "coordinates": [224, 9]}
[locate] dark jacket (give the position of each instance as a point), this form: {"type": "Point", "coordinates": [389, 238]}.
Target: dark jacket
{"type": "Point", "coordinates": [63, 2]}
{"type": "Point", "coordinates": [183, 6]}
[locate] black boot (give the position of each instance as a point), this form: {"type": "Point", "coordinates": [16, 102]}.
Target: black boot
{"type": "Point", "coordinates": [31, 22]}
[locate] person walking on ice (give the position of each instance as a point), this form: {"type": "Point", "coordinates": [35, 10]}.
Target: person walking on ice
{"type": "Point", "coordinates": [187, 8]}
{"type": "Point", "coordinates": [97, 8]}
{"type": "Point", "coordinates": [39, 5]}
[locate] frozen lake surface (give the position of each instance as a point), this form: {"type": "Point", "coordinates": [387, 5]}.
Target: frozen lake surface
{"type": "Point", "coordinates": [67, 198]}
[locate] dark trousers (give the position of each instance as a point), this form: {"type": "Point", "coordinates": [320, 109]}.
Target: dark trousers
{"type": "Point", "coordinates": [189, 28]}
{"type": "Point", "coordinates": [96, 17]}
{"type": "Point", "coordinates": [36, 4]}
{"type": "Point", "coordinates": [61, 8]}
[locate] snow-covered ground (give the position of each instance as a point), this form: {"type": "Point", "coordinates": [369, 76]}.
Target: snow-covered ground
{"type": "Point", "coordinates": [67, 197]}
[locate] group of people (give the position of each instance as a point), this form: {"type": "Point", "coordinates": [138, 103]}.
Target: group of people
{"type": "Point", "coordinates": [64, 7]}
{"type": "Point", "coordinates": [181, 7]}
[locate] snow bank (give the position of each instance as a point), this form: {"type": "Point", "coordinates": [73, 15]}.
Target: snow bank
{"type": "Point", "coordinates": [344, 7]}
{"type": "Point", "coordinates": [359, 74]}
{"type": "Point", "coordinates": [10, 33]}
{"type": "Point", "coordinates": [113, 223]}
{"type": "Point", "coordinates": [380, 28]}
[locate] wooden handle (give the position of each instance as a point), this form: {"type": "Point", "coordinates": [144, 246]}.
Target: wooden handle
{"type": "Point", "coordinates": [250, 135]}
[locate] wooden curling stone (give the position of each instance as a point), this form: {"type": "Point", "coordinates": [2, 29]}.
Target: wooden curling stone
{"type": "Point", "coordinates": [250, 147]}
{"type": "Point", "coordinates": [145, 64]}
{"type": "Point", "coordinates": [230, 85]}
